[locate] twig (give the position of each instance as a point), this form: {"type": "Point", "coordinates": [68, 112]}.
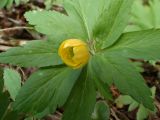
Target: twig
{"type": "Point", "coordinates": [114, 114]}
{"type": "Point", "coordinates": [15, 21]}
{"type": "Point", "coordinates": [15, 28]}
{"type": "Point", "coordinates": [24, 77]}
{"type": "Point", "coordinates": [157, 105]}
{"type": "Point", "coordinates": [117, 114]}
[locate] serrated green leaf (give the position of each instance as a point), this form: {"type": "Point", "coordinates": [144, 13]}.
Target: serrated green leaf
{"type": "Point", "coordinates": [145, 16]}
{"type": "Point", "coordinates": [46, 89]}
{"type": "Point", "coordinates": [133, 106]}
{"type": "Point", "coordinates": [113, 22]}
{"type": "Point", "coordinates": [81, 102]}
{"type": "Point", "coordinates": [86, 12]}
{"type": "Point", "coordinates": [142, 113]}
{"type": "Point", "coordinates": [125, 100]}
{"type": "Point", "coordinates": [141, 16]}
{"type": "Point", "coordinates": [140, 45]}
{"type": "Point", "coordinates": [55, 23]}
{"type": "Point", "coordinates": [12, 82]}
{"type": "Point", "coordinates": [127, 79]}
{"type": "Point", "coordinates": [101, 111]}
{"type": "Point", "coordinates": [34, 54]}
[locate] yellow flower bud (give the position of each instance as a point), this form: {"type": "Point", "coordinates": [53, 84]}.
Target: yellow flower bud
{"type": "Point", "coordinates": [74, 53]}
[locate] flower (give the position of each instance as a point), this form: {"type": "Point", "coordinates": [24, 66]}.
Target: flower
{"type": "Point", "coordinates": [74, 53]}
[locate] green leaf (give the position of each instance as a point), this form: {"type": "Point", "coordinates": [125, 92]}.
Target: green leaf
{"type": "Point", "coordinates": [99, 68]}
{"type": "Point", "coordinates": [142, 16]}
{"type": "Point", "coordinates": [30, 118]}
{"type": "Point", "coordinates": [142, 113]}
{"type": "Point", "coordinates": [1, 80]}
{"type": "Point", "coordinates": [49, 4]}
{"type": "Point", "coordinates": [145, 16]}
{"type": "Point", "coordinates": [138, 66]}
{"type": "Point", "coordinates": [17, 2]}
{"type": "Point", "coordinates": [126, 78]}
{"type": "Point", "coordinates": [154, 7]}
{"type": "Point", "coordinates": [102, 87]}
{"type": "Point", "coordinates": [140, 45]}
{"type": "Point", "coordinates": [3, 3]}
{"type": "Point", "coordinates": [54, 23]}
{"type": "Point", "coordinates": [12, 82]}
{"type": "Point", "coordinates": [42, 114]}
{"type": "Point", "coordinates": [34, 54]}
{"type": "Point", "coordinates": [126, 100]}
{"type": "Point", "coordinates": [46, 89]}
{"type": "Point", "coordinates": [9, 3]}
{"type": "Point", "coordinates": [133, 106]}
{"type": "Point", "coordinates": [81, 102]}
{"type": "Point", "coordinates": [153, 90]}
{"type": "Point", "coordinates": [4, 102]}
{"type": "Point", "coordinates": [4, 97]}
{"type": "Point", "coordinates": [86, 12]}
{"type": "Point", "coordinates": [101, 111]}
{"type": "Point", "coordinates": [113, 22]}
{"type": "Point", "coordinates": [10, 115]}
{"type": "Point", "coordinates": [123, 100]}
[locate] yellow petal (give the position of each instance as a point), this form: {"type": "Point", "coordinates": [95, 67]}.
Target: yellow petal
{"type": "Point", "coordinates": [74, 53]}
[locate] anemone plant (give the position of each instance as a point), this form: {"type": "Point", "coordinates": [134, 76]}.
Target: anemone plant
{"type": "Point", "coordinates": [86, 52]}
